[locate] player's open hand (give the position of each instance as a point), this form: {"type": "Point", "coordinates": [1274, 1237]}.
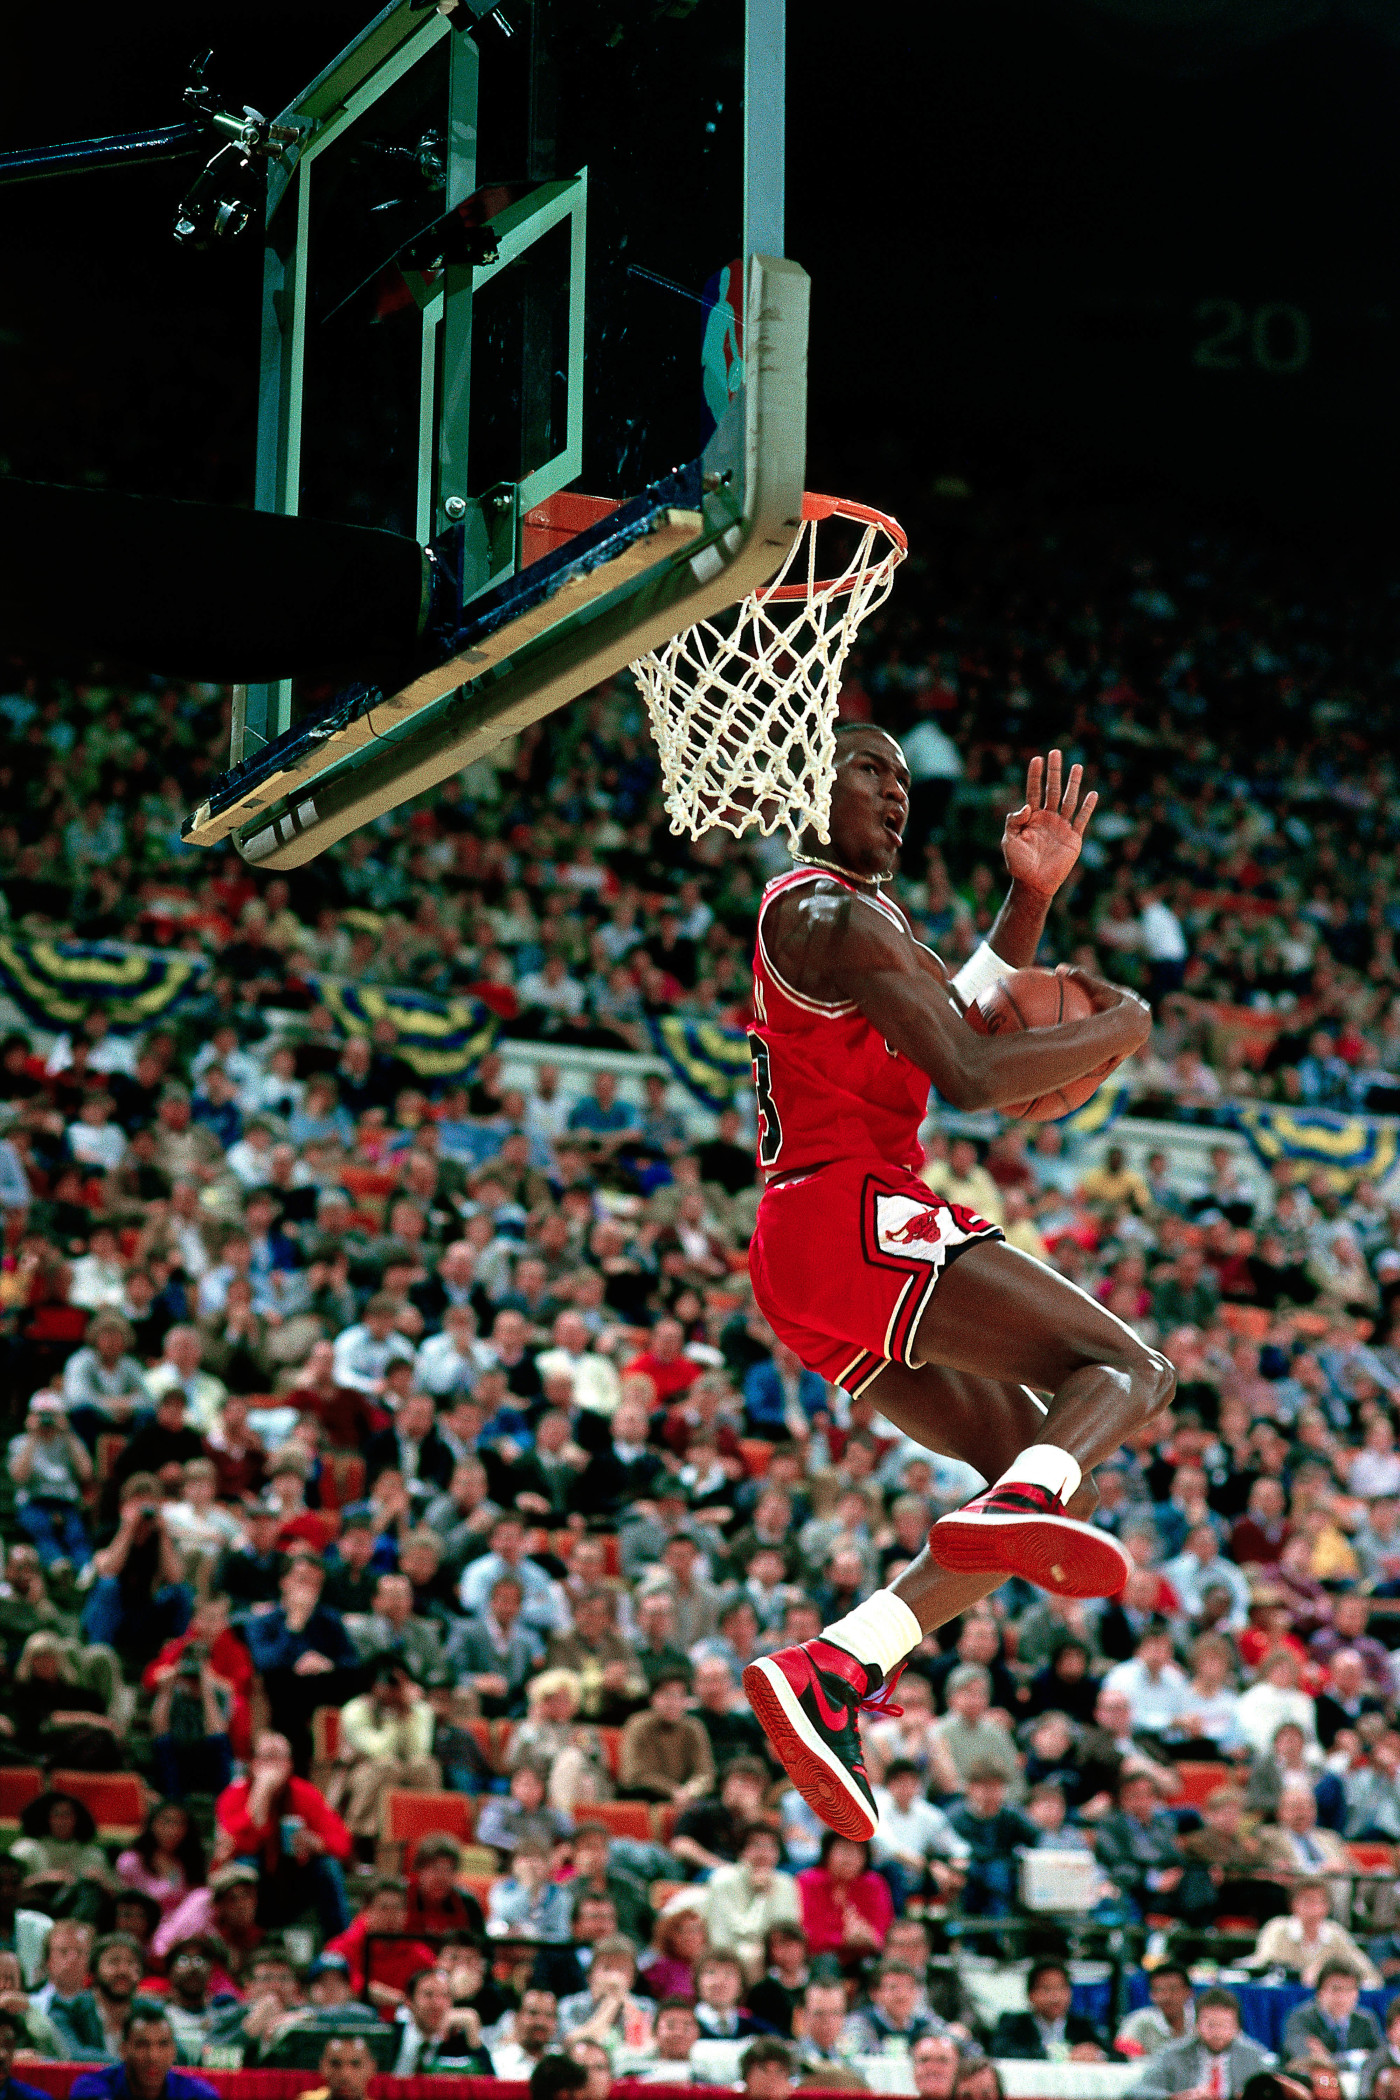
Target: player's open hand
{"type": "Point", "coordinates": [1041, 841]}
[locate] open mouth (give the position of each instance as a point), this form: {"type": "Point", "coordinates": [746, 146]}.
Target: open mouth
{"type": "Point", "coordinates": [895, 829]}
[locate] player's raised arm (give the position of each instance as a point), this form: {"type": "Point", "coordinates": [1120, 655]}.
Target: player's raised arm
{"type": "Point", "coordinates": [839, 947]}
{"type": "Point", "coordinates": [1040, 844]}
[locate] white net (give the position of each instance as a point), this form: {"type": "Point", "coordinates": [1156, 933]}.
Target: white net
{"type": "Point", "coordinates": [744, 712]}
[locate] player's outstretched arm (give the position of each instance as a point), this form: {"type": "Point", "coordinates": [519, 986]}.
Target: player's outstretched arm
{"type": "Point", "coordinates": [836, 946]}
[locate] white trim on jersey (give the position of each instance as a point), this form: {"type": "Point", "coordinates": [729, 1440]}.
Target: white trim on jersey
{"type": "Point", "coordinates": [775, 888]}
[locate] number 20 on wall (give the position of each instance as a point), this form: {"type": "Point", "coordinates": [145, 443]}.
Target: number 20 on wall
{"type": "Point", "coordinates": [1231, 337]}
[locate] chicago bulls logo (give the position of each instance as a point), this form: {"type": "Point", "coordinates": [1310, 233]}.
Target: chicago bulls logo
{"type": "Point", "coordinates": [923, 1226]}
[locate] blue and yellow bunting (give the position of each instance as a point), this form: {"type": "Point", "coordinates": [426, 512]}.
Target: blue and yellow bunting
{"type": "Point", "coordinates": [436, 1038]}
{"type": "Point", "coordinates": [1100, 1111]}
{"type": "Point", "coordinates": [1349, 1148]}
{"type": "Point", "coordinates": [54, 983]}
{"type": "Point", "coordinates": [709, 1060]}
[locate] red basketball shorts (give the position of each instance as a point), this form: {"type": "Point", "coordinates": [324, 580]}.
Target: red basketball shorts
{"type": "Point", "coordinates": [845, 1259]}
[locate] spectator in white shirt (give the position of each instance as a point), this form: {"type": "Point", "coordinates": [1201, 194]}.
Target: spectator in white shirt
{"type": "Point", "coordinates": [1155, 1686]}
{"type": "Point", "coordinates": [1202, 1567]}
{"type": "Point", "coordinates": [99, 1278]}
{"type": "Point", "coordinates": [448, 1364]}
{"type": "Point", "coordinates": [914, 1838]}
{"type": "Point", "coordinates": [1273, 1699]}
{"type": "Point", "coordinates": [250, 1160]}
{"type": "Point", "coordinates": [596, 1384]}
{"type": "Point", "coordinates": [95, 1140]}
{"type": "Point", "coordinates": [364, 1352]}
{"type": "Point", "coordinates": [547, 1111]}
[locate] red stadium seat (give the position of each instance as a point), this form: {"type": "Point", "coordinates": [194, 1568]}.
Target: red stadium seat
{"type": "Point", "coordinates": [408, 1815]}
{"type": "Point", "coordinates": [117, 1799]}
{"type": "Point", "coordinates": [625, 1819]}
{"type": "Point", "coordinates": [1371, 1856]}
{"type": "Point", "coordinates": [1198, 1782]}
{"type": "Point", "coordinates": [19, 1785]}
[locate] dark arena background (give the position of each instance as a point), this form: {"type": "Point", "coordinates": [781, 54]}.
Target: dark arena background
{"type": "Point", "coordinates": [400, 1472]}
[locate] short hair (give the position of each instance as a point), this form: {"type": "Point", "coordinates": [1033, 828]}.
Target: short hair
{"type": "Point", "coordinates": [1171, 1968]}
{"type": "Point", "coordinates": [416, 1977]}
{"type": "Point", "coordinates": [768, 2050]}
{"type": "Point", "coordinates": [986, 1775]}
{"type": "Point", "coordinates": [438, 1846]}
{"type": "Point", "coordinates": [675, 2005]}
{"type": "Point", "coordinates": [1313, 1885]}
{"type": "Point", "coordinates": [745, 1768]}
{"type": "Point", "coordinates": [1226, 2001]}
{"type": "Point", "coordinates": [717, 1958]}
{"type": "Point", "coordinates": [145, 2012]}
{"type": "Point", "coordinates": [681, 1677]}
{"type": "Point", "coordinates": [108, 1940]}
{"type": "Point", "coordinates": [1333, 1968]}
{"type": "Point", "coordinates": [1048, 1965]}
{"type": "Point", "coordinates": [555, 2074]}
{"type": "Point", "coordinates": [15, 2025]}
{"type": "Point", "coordinates": [966, 1674]}
{"type": "Point", "coordinates": [617, 1947]}
{"type": "Point", "coordinates": [387, 1885]}
{"type": "Point", "coordinates": [893, 1968]}
{"type": "Point", "coordinates": [902, 1768]}
{"type": "Point", "coordinates": [351, 2038]}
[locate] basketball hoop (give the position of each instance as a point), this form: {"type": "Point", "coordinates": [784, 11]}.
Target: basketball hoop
{"type": "Point", "coordinates": [744, 715]}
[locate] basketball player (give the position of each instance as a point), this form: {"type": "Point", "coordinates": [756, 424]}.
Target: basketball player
{"type": "Point", "coordinates": [875, 1282]}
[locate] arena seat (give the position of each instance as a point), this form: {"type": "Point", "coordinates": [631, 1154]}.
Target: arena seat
{"type": "Point", "coordinates": [408, 1814]}
{"type": "Point", "coordinates": [117, 1800]}
{"type": "Point", "coordinates": [625, 1819]}
{"type": "Point", "coordinates": [757, 1454]}
{"type": "Point", "coordinates": [1197, 1782]}
{"type": "Point", "coordinates": [19, 1785]}
{"type": "Point", "coordinates": [664, 1818]}
{"type": "Point", "coordinates": [611, 1740]}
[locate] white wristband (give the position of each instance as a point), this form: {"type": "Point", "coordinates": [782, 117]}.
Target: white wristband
{"type": "Point", "coordinates": [983, 968]}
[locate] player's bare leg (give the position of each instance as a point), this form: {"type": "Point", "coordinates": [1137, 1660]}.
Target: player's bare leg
{"type": "Point", "coordinates": [1007, 1323]}
{"type": "Point", "coordinates": [999, 1313]}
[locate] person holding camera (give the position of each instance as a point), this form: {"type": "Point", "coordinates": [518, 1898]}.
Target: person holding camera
{"type": "Point", "coordinates": [140, 1597]}
{"type": "Point", "coordinates": [190, 1725]}
{"type": "Point", "coordinates": [50, 1467]}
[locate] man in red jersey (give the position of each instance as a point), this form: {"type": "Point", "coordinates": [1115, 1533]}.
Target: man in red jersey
{"type": "Point", "coordinates": [875, 1282]}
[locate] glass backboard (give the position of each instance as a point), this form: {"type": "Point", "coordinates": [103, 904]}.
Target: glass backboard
{"type": "Point", "coordinates": [505, 289]}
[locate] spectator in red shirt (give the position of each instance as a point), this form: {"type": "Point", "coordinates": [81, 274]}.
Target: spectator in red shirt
{"type": "Point", "coordinates": [391, 1960]}
{"type": "Point", "coordinates": [288, 1830]}
{"type": "Point", "coordinates": [664, 1363]}
{"type": "Point", "coordinates": [846, 1907]}
{"type": "Point", "coordinates": [229, 1661]}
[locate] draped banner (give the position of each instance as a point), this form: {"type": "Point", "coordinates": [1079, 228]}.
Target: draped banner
{"type": "Point", "coordinates": [710, 1061]}
{"type": "Point", "coordinates": [1351, 1148]}
{"type": "Point", "coordinates": [1100, 1110]}
{"type": "Point", "coordinates": [436, 1038]}
{"type": "Point", "coordinates": [55, 982]}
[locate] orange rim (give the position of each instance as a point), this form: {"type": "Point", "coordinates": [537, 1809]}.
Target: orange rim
{"type": "Point", "coordinates": [814, 509]}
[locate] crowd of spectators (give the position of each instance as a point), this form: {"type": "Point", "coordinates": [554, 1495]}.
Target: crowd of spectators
{"type": "Point", "coordinates": [445, 1407]}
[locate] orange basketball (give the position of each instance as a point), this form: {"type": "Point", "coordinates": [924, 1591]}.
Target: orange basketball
{"type": "Point", "coordinates": [1038, 999]}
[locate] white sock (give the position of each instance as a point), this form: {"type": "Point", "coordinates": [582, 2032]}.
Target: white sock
{"type": "Point", "coordinates": [882, 1631]}
{"type": "Point", "coordinates": [1043, 1465]}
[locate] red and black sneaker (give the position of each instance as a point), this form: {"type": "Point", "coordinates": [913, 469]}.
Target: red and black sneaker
{"type": "Point", "coordinates": [1015, 1528]}
{"type": "Point", "coordinates": [807, 1699]}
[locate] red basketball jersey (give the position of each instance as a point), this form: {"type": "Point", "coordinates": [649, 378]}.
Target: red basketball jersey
{"type": "Point", "coordinates": [829, 1085]}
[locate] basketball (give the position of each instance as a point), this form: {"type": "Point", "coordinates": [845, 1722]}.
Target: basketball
{"type": "Point", "coordinates": [1038, 999]}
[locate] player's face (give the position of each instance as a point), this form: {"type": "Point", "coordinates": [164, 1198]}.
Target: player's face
{"type": "Point", "coordinates": [869, 804]}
